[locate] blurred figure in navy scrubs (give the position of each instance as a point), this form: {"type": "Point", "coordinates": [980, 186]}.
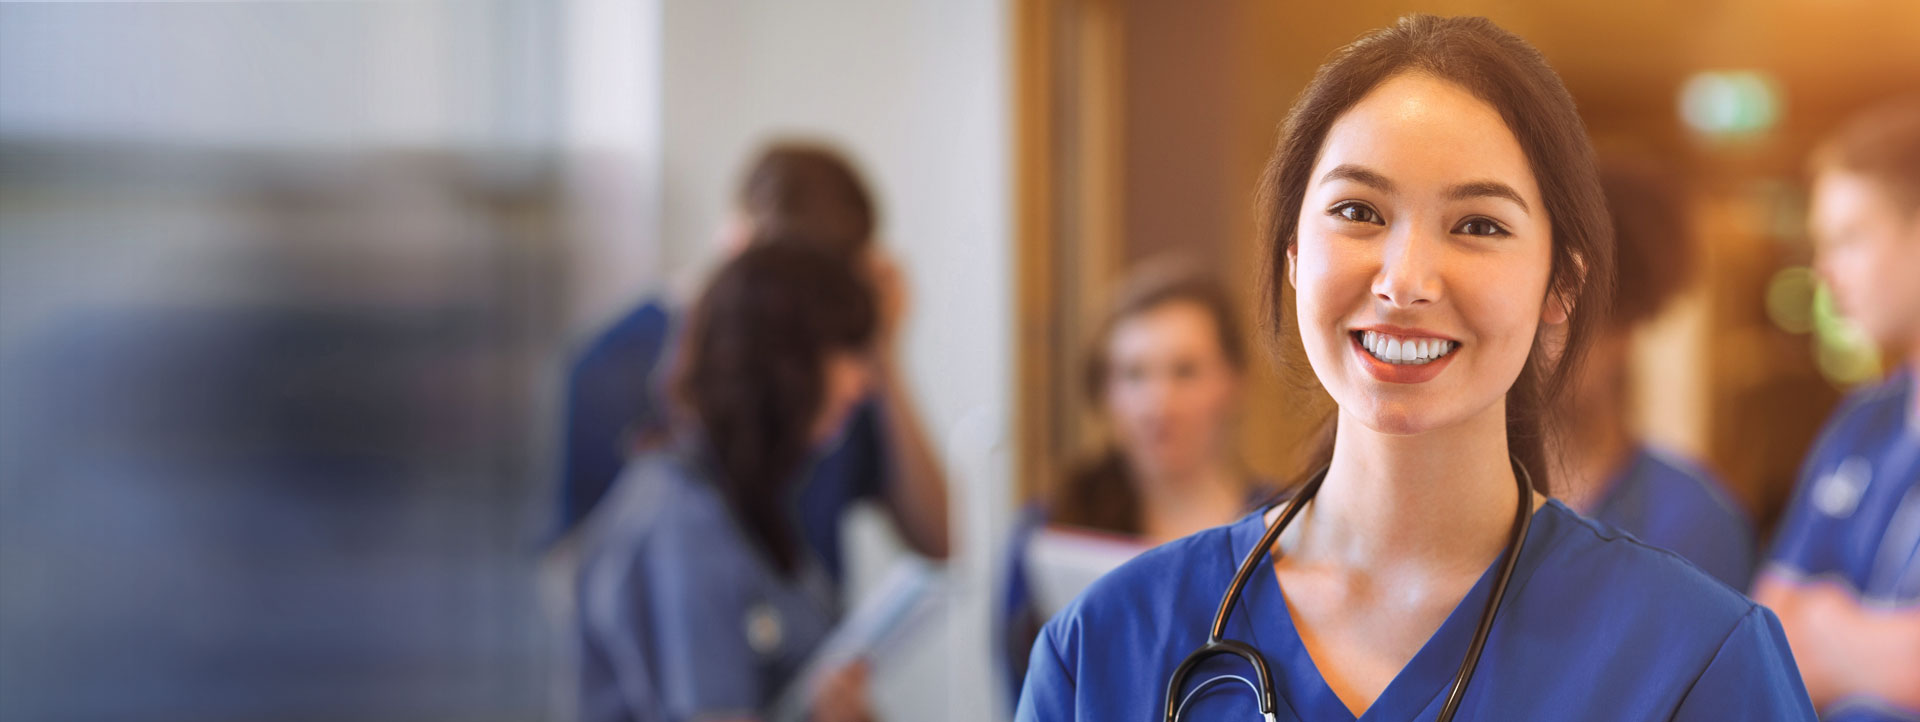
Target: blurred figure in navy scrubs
{"type": "Point", "coordinates": [698, 597]}
{"type": "Point", "coordinates": [1165, 371]}
{"type": "Point", "coordinates": [802, 193]}
{"type": "Point", "coordinates": [1655, 494]}
{"type": "Point", "coordinates": [1844, 573]}
{"type": "Point", "coordinates": [1431, 207]}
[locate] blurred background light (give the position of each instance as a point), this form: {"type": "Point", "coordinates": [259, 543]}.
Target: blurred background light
{"type": "Point", "coordinates": [1843, 352]}
{"type": "Point", "coordinates": [1730, 104]}
{"type": "Point", "coordinates": [1790, 295]}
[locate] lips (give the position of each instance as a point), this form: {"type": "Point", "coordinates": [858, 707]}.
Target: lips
{"type": "Point", "coordinates": [1405, 356]}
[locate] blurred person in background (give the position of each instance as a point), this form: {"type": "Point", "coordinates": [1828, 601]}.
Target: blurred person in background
{"type": "Point", "coordinates": [1612, 476]}
{"type": "Point", "coordinates": [1431, 207]}
{"type": "Point", "coordinates": [1166, 372]}
{"type": "Point", "coordinates": [799, 193]}
{"type": "Point", "coordinates": [698, 596]}
{"type": "Point", "coordinates": [1844, 573]}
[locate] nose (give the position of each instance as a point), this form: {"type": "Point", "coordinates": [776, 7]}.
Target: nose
{"type": "Point", "coordinates": [1409, 270]}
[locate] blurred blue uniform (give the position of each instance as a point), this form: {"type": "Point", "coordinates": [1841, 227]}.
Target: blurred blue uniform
{"type": "Point", "coordinates": [616, 398]}
{"type": "Point", "coordinates": [1855, 517]}
{"type": "Point", "coordinates": [1595, 626]}
{"type": "Point", "coordinates": [681, 616]}
{"type": "Point", "coordinates": [1016, 619]}
{"type": "Point", "coordinates": [614, 401]}
{"type": "Point", "coordinates": [1677, 506]}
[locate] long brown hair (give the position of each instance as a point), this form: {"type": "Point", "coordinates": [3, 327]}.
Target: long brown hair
{"type": "Point", "coordinates": [1654, 249]}
{"type": "Point", "coordinates": [1098, 493]}
{"type": "Point", "coordinates": [1507, 73]}
{"type": "Point", "coordinates": [757, 348]}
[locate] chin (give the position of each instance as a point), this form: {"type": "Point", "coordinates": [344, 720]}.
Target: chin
{"type": "Point", "coordinates": [1404, 416]}
{"type": "Point", "coordinates": [1397, 420]}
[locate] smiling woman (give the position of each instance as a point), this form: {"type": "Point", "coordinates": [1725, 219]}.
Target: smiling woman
{"type": "Point", "coordinates": [1432, 209]}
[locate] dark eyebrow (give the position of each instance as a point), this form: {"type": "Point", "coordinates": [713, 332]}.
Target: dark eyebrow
{"type": "Point", "coordinates": [1488, 189]}
{"type": "Point", "coordinates": [1358, 174]}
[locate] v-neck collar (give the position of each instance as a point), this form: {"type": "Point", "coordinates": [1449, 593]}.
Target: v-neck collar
{"type": "Point", "coordinates": [1263, 612]}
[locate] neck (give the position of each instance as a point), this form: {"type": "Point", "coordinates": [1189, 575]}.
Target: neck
{"type": "Point", "coordinates": [1441, 500]}
{"type": "Point", "coordinates": [1175, 503]}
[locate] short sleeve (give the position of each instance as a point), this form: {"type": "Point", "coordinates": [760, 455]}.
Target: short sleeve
{"type": "Point", "coordinates": [668, 613]}
{"type": "Point", "coordinates": [1048, 695]}
{"type": "Point", "coordinates": [698, 598]}
{"type": "Point", "coordinates": [1751, 677]}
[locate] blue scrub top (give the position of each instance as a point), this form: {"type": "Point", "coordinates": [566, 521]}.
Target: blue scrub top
{"type": "Point", "coordinates": [1595, 626]}
{"type": "Point", "coordinates": [680, 616]}
{"type": "Point", "coordinates": [616, 395]}
{"type": "Point", "coordinates": [1855, 516]}
{"type": "Point", "coordinates": [1676, 505]}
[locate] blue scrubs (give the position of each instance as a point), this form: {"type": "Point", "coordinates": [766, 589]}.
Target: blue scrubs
{"type": "Point", "coordinates": [616, 396]}
{"type": "Point", "coordinates": [680, 616]}
{"type": "Point", "coordinates": [1855, 517]}
{"type": "Point", "coordinates": [1675, 505]}
{"type": "Point", "coordinates": [1595, 626]}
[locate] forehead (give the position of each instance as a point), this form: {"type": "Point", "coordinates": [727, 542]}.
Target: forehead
{"type": "Point", "coordinates": [1174, 325]}
{"type": "Point", "coordinates": [1841, 197]}
{"type": "Point", "coordinates": [1426, 134]}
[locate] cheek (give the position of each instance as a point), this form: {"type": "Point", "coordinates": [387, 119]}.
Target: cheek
{"type": "Point", "coordinates": [1211, 408]}
{"type": "Point", "coordinates": [1212, 396]}
{"type": "Point", "coordinates": [1124, 405]}
{"type": "Point", "coordinates": [1504, 315]}
{"type": "Point", "coordinates": [1326, 290]}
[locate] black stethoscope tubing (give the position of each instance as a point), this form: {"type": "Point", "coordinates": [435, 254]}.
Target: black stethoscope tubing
{"type": "Point", "coordinates": [1217, 644]}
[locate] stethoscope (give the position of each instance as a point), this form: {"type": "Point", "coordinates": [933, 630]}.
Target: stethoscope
{"type": "Point", "coordinates": [1217, 644]}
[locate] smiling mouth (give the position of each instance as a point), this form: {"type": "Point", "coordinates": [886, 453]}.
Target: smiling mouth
{"type": "Point", "coordinates": [1404, 350]}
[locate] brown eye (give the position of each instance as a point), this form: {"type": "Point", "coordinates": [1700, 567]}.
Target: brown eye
{"type": "Point", "coordinates": [1357, 212]}
{"type": "Point", "coordinates": [1481, 227]}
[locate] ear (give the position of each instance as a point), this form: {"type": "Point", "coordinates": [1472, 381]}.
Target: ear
{"type": "Point", "coordinates": [734, 234]}
{"type": "Point", "coordinates": [1558, 306]}
{"type": "Point", "coordinates": [1555, 309]}
{"type": "Point", "coordinates": [1293, 266]}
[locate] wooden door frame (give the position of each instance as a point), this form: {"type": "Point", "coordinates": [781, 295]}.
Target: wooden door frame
{"type": "Point", "coordinates": [1068, 190]}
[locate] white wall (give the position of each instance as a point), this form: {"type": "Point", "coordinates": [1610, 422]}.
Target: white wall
{"type": "Point", "coordinates": [275, 75]}
{"type": "Point", "coordinates": [918, 92]}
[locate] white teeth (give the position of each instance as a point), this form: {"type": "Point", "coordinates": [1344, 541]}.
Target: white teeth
{"type": "Point", "coordinates": [1409, 351]}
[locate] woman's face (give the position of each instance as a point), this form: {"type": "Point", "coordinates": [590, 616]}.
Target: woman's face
{"type": "Point", "coordinates": [847, 377]}
{"type": "Point", "coordinates": [1170, 389]}
{"type": "Point", "coordinates": [1422, 259]}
